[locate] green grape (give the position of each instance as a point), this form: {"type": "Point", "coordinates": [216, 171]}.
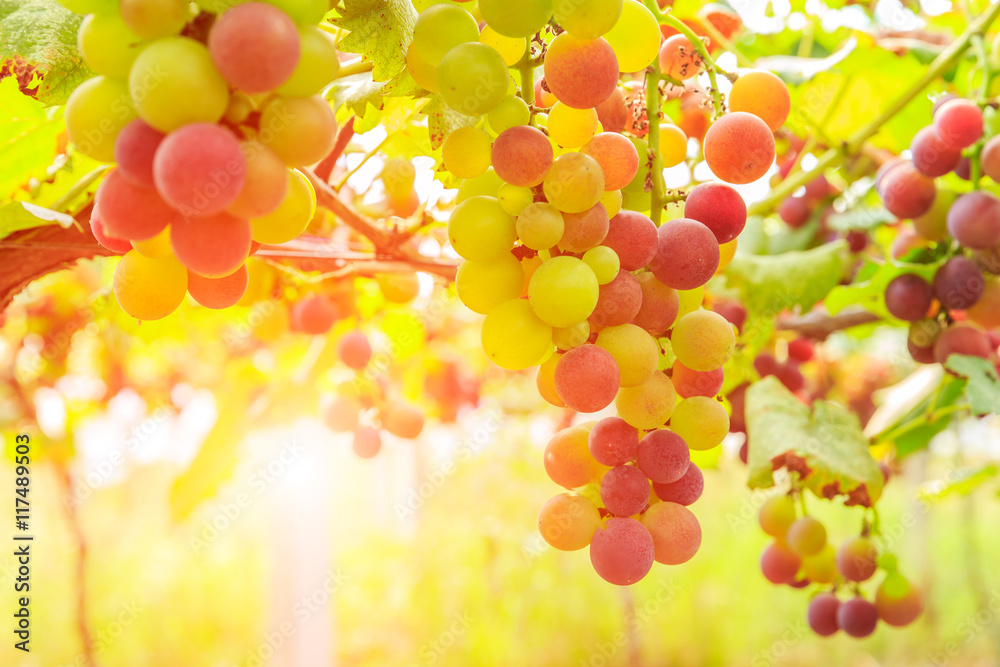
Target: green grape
{"type": "Point", "coordinates": [635, 39]}
{"type": "Point", "coordinates": [441, 28]}
{"type": "Point", "coordinates": [472, 79]}
{"type": "Point", "coordinates": [514, 338]}
{"type": "Point", "coordinates": [633, 349]}
{"type": "Point", "coordinates": [107, 45]}
{"type": "Point", "coordinates": [512, 49]}
{"type": "Point", "coordinates": [151, 19]}
{"type": "Point", "coordinates": [95, 113]}
{"type": "Point", "coordinates": [398, 176]}
{"type": "Point", "coordinates": [479, 230]}
{"type": "Point", "coordinates": [689, 300]}
{"type": "Point", "coordinates": [487, 184]}
{"type": "Point", "coordinates": [422, 71]}
{"type": "Point", "coordinates": [574, 183]}
{"type": "Point", "coordinates": [466, 152]}
{"type": "Point", "coordinates": [173, 82]}
{"type": "Point", "coordinates": [516, 18]}
{"type": "Point", "coordinates": [611, 200]}
{"type": "Point", "coordinates": [563, 291]}
{"type": "Point", "coordinates": [317, 67]}
{"type": "Point", "coordinates": [649, 405]}
{"type": "Point", "coordinates": [703, 340]}
{"type": "Point", "coordinates": [701, 421]}
{"type": "Point", "coordinates": [587, 19]}
{"type": "Point", "coordinates": [512, 111]}
{"type": "Point", "coordinates": [514, 199]}
{"type": "Point", "coordinates": [482, 286]}
{"type": "Point", "coordinates": [149, 289]}
{"type": "Point", "coordinates": [540, 226]}
{"type": "Point", "coordinates": [291, 217]}
{"type": "Point", "coordinates": [90, 6]}
{"type": "Point", "coordinates": [572, 128]}
{"type": "Point", "coordinates": [604, 262]}
{"type": "Point", "coordinates": [570, 337]}
{"type": "Point", "coordinates": [303, 12]}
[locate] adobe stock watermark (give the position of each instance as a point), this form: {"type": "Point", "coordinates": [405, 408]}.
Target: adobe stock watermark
{"type": "Point", "coordinates": [227, 512]}
{"type": "Point", "coordinates": [602, 654]}
{"type": "Point", "coordinates": [432, 651]}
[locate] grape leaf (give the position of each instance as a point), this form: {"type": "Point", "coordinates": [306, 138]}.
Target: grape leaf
{"type": "Point", "coordinates": [771, 284]}
{"type": "Point", "coordinates": [983, 387]}
{"type": "Point", "coordinates": [824, 446]}
{"type": "Point", "coordinates": [357, 91]}
{"type": "Point", "coordinates": [381, 31]}
{"type": "Point", "coordinates": [28, 138]}
{"type": "Point", "coordinates": [442, 121]}
{"type": "Point", "coordinates": [861, 217]}
{"type": "Point", "coordinates": [38, 48]}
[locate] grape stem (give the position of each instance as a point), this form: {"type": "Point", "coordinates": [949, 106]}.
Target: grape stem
{"type": "Point", "coordinates": [854, 143]}
{"type": "Point", "coordinates": [917, 422]}
{"type": "Point", "coordinates": [355, 66]}
{"type": "Point", "coordinates": [62, 204]}
{"type": "Point", "coordinates": [653, 120]}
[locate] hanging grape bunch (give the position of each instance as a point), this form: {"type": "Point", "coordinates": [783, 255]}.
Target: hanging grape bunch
{"type": "Point", "coordinates": [947, 290]}
{"type": "Point", "coordinates": [205, 132]}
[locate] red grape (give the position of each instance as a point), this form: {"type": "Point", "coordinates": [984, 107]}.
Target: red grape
{"type": "Point", "coordinates": [624, 490]}
{"type": "Point", "coordinates": [587, 378]}
{"type": "Point", "coordinates": [633, 237]}
{"type": "Point", "coordinates": [613, 442]}
{"type": "Point", "coordinates": [718, 207]}
{"type": "Point", "coordinates": [684, 491]}
{"type": "Point", "coordinates": [663, 456]}
{"type": "Point", "coordinates": [687, 254]}
{"type": "Point", "coordinates": [622, 551]}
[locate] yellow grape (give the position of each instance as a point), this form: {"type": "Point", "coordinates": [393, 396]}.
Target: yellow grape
{"type": "Point", "coordinates": [482, 286]}
{"type": "Point", "coordinates": [635, 39]}
{"type": "Point", "coordinates": [570, 337]}
{"type": "Point", "coordinates": [473, 79]}
{"type": "Point", "coordinates": [511, 111]}
{"type": "Point", "coordinates": [398, 176]}
{"type": "Point", "coordinates": [574, 183]}
{"type": "Point", "coordinates": [673, 144]}
{"type": "Point", "coordinates": [701, 421]}
{"type": "Point", "coordinates": [545, 381]}
{"type": "Point", "coordinates": [513, 336]}
{"type": "Point", "coordinates": [563, 291]}
{"type": "Point", "coordinates": [95, 113]}
{"type": "Point", "coordinates": [107, 45]}
{"type": "Point", "coordinates": [479, 230]}
{"type": "Point", "coordinates": [514, 198]}
{"type": "Point", "coordinates": [487, 184]}
{"type": "Point", "coordinates": [604, 262]}
{"type": "Point", "coordinates": [516, 18]}
{"type": "Point", "coordinates": [572, 128]}
{"type": "Point", "coordinates": [689, 300]}
{"type": "Point", "coordinates": [512, 49]}
{"type": "Point", "coordinates": [422, 71]}
{"type": "Point", "coordinates": [293, 214]}
{"type": "Point", "coordinates": [157, 247]}
{"type": "Point", "coordinates": [149, 289]}
{"type": "Point", "coordinates": [703, 340]}
{"type": "Point", "coordinates": [612, 202]}
{"type": "Point", "coordinates": [303, 12]}
{"type": "Point", "coordinates": [568, 522]}
{"type": "Point", "coordinates": [648, 405]}
{"type": "Point", "coordinates": [317, 66]}
{"type": "Point", "coordinates": [441, 28]}
{"type": "Point", "coordinates": [726, 253]}
{"type": "Point", "coordinates": [155, 18]}
{"type": "Point", "coordinates": [466, 152]}
{"type": "Point", "coordinates": [173, 82]}
{"type": "Point", "coordinates": [587, 19]}
{"type": "Point", "coordinates": [540, 226]}
{"type": "Point", "coordinates": [633, 349]}
{"type": "Point", "coordinates": [305, 140]}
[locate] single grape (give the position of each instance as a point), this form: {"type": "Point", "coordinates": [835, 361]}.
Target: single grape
{"type": "Point", "coordinates": [96, 113]}
{"type": "Point", "coordinates": [673, 145]}
{"type": "Point", "coordinates": [581, 73]}
{"type": "Point", "coordinates": [856, 559]}
{"type": "Point", "coordinates": [624, 490]}
{"type": "Point", "coordinates": [482, 286]}
{"type": "Point", "coordinates": [107, 45]}
{"type": "Point", "coordinates": [806, 536]}
{"type": "Point", "coordinates": [857, 617]}
{"type": "Point", "coordinates": [718, 207]}
{"type": "Point", "coordinates": [703, 340]}
{"type": "Point", "coordinates": [634, 238]}
{"type": "Point", "coordinates": [795, 211]}
{"type": "Point", "coordinates": [574, 183]}
{"type": "Point", "coordinates": [604, 262]}
{"type": "Point", "coordinates": [570, 337]}
{"type": "Point", "coordinates": [265, 185]}
{"type": "Point", "coordinates": [563, 291]}
{"type": "Point", "coordinates": [959, 123]}
{"type": "Point", "coordinates": [130, 212]}
{"type": "Point", "coordinates": [514, 199]}
{"type": "Point", "coordinates": [779, 564]}
{"type": "Point", "coordinates": [513, 337]}
{"type": "Point", "coordinates": [317, 64]}
{"type": "Point", "coordinates": [151, 19]}
{"type": "Point", "coordinates": [701, 421]}
{"type": "Point", "coordinates": [822, 615]}
{"type": "Point", "coordinates": [149, 289]}
{"type": "Point", "coordinates": [313, 315]}
{"type": "Point", "coordinates": [587, 19]}
{"type": "Point", "coordinates": [403, 421]}
{"type": "Point", "coordinates": [906, 192]}
{"type": "Point", "coordinates": [354, 350]}
{"type": "Point", "coordinates": [687, 254]}
{"type": "Point", "coordinates": [618, 302]}
{"type": "Point", "coordinates": [622, 551]}
{"type": "Point", "coordinates": [635, 38]}
{"type": "Point", "coordinates": [908, 297]}
{"type": "Point", "coordinates": [200, 169]}
{"type": "Point", "coordinates": [587, 378]}
{"type": "Point", "coordinates": [522, 156]}
{"type": "Point", "coordinates": [218, 293]}
{"type": "Point", "coordinates": [777, 515]}
{"type": "Point", "coordinates": [689, 383]}
{"type": "Point", "coordinates": [663, 456]}
{"type": "Point", "coordinates": [974, 220]}
{"type": "Point", "coordinates": [212, 246]}
{"type": "Point", "coordinates": [516, 18]}
{"type": "Point", "coordinates": [675, 531]}
{"type": "Point", "coordinates": [568, 462]}
{"type": "Point", "coordinates": [112, 243]}
{"type": "Point", "coordinates": [568, 522]}
{"type": "Point", "coordinates": [466, 152]}
{"type": "Point", "coordinates": [583, 231]}
{"type": "Point", "coordinates": [301, 130]}
{"type": "Point", "coordinates": [617, 157]}
{"type": "Point", "coordinates": [648, 405]}
{"type": "Point", "coordinates": [422, 71]}
{"type": "Point", "coordinates": [764, 95]}
{"type": "Point", "coordinates": [659, 306]}
{"type": "Point", "coordinates": [931, 155]}
{"type": "Point", "coordinates": [367, 442]}
{"type": "Point", "coordinates": [635, 352]}
{"type": "Point", "coordinates": [479, 230]}
{"type": "Point", "coordinates": [255, 46]}
{"type": "Point", "coordinates": [613, 442]}
{"type": "Point", "coordinates": [613, 112]}
{"type": "Point", "coordinates": [958, 284]}
{"type": "Point", "coordinates": [678, 58]}
{"type": "Point", "coordinates": [511, 48]}
{"type": "Point", "coordinates": [685, 491]}
{"type": "Point", "coordinates": [571, 128]}
{"type": "Point", "coordinates": [292, 215]}
{"type": "Point", "coordinates": [440, 28]}
{"type": "Point", "coordinates": [472, 79]}
{"type": "Point", "coordinates": [899, 602]}
{"type": "Point", "coordinates": [513, 111]}
{"type": "Point", "coordinates": [135, 148]}
{"type": "Point", "coordinates": [739, 148]}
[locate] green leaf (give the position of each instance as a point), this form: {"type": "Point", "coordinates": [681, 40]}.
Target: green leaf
{"type": "Point", "coordinates": [860, 217]}
{"type": "Point", "coordinates": [357, 92]}
{"type": "Point", "coordinates": [28, 138]}
{"type": "Point", "coordinates": [963, 483]}
{"type": "Point", "coordinates": [381, 31]}
{"type": "Point", "coordinates": [771, 284]}
{"type": "Point", "coordinates": [983, 388]}
{"type": "Point", "coordinates": [38, 47]}
{"type": "Point", "coordinates": [870, 293]}
{"type": "Point", "coordinates": [823, 446]}
{"type": "Point", "coordinates": [18, 215]}
{"type": "Point", "coordinates": [797, 70]}
{"type": "Point", "coordinates": [442, 121]}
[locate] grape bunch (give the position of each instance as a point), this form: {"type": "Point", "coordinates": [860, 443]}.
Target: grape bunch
{"type": "Point", "coordinates": [955, 307]}
{"type": "Point", "coordinates": [571, 273]}
{"type": "Point", "coordinates": [801, 555]}
{"type": "Point", "coordinates": [205, 119]}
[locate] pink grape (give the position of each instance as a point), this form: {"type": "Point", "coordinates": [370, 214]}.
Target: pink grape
{"type": "Point", "coordinates": [219, 293]}
{"type": "Point", "coordinates": [857, 617]}
{"type": "Point", "coordinates": [354, 350]}
{"type": "Point", "coordinates": [675, 531]}
{"type": "Point", "coordinates": [587, 378]}
{"type": "Point", "coordinates": [110, 242]}
{"type": "Point", "coordinates": [583, 231]}
{"type": "Point", "coordinates": [212, 246]}
{"type": "Point", "coordinates": [131, 212]}
{"type": "Point", "coordinates": [633, 237]}
{"type": "Point", "coordinates": [522, 155]}
{"type": "Point", "coordinates": [581, 73]}
{"type": "Point", "coordinates": [618, 302]}
{"type": "Point", "coordinates": [314, 315]}
{"type": "Point", "coordinates": [624, 490]}
{"type": "Point", "coordinates": [200, 169]}
{"type": "Point", "coordinates": [659, 308]}
{"type": "Point", "coordinates": [684, 491]}
{"type": "Point", "coordinates": [906, 192]}
{"type": "Point", "coordinates": [974, 220]}
{"type": "Point", "coordinates": [367, 442]}
{"type": "Point", "coordinates": [959, 123]}
{"type": "Point", "coordinates": [622, 551]}
{"type": "Point", "coordinates": [779, 563]}
{"type": "Point", "coordinates": [719, 207]}
{"type": "Point", "coordinates": [687, 254]}
{"type": "Point", "coordinates": [613, 442]}
{"type": "Point", "coordinates": [931, 155]}
{"type": "Point", "coordinates": [958, 284]}
{"type": "Point", "coordinates": [135, 148]}
{"type": "Point", "coordinates": [690, 383]}
{"type": "Point", "coordinates": [255, 46]}
{"type": "Point", "coordinates": [663, 456]}
{"type": "Point", "coordinates": [617, 157]}
{"type": "Point", "coordinates": [822, 614]}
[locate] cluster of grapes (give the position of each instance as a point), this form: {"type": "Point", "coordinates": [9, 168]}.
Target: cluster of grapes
{"type": "Point", "coordinates": [801, 554]}
{"type": "Point", "coordinates": [958, 310]}
{"type": "Point", "coordinates": [205, 127]}
{"type": "Point", "coordinates": [367, 416]}
{"type": "Point", "coordinates": [572, 280]}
